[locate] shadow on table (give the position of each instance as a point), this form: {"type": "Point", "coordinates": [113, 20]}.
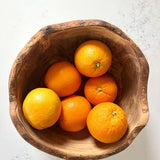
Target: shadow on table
{"type": "Point", "coordinates": [136, 150]}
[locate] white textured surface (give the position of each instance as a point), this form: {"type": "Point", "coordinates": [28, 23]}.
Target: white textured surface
{"type": "Point", "coordinates": [21, 19]}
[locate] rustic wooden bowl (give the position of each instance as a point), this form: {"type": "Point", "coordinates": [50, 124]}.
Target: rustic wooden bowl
{"type": "Point", "coordinates": [59, 42]}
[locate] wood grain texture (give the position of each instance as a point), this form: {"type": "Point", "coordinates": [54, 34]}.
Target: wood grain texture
{"type": "Point", "coordinates": [58, 42]}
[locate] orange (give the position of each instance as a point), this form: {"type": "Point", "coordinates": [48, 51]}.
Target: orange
{"type": "Point", "coordinates": [100, 89]}
{"type": "Point", "coordinates": [74, 113]}
{"type": "Point", "coordinates": [107, 122]}
{"type": "Point", "coordinates": [63, 78]}
{"type": "Point", "coordinates": [93, 58]}
{"type": "Point", "coordinates": [41, 108]}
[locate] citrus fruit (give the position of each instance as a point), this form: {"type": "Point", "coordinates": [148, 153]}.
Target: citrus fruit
{"type": "Point", "coordinates": [100, 89]}
{"type": "Point", "coordinates": [74, 113]}
{"type": "Point", "coordinates": [42, 108]}
{"type": "Point", "coordinates": [93, 58]}
{"type": "Point", "coordinates": [63, 78]}
{"type": "Point", "coordinates": [107, 122]}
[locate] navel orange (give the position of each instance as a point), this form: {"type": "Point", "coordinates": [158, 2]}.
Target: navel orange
{"type": "Point", "coordinates": [100, 89]}
{"type": "Point", "coordinates": [74, 113]}
{"type": "Point", "coordinates": [63, 78]}
{"type": "Point", "coordinates": [93, 58]}
{"type": "Point", "coordinates": [42, 108]}
{"type": "Point", "coordinates": [107, 122]}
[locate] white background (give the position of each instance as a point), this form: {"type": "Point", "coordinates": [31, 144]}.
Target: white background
{"type": "Point", "coordinates": [21, 19]}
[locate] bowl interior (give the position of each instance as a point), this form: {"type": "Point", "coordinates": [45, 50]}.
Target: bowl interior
{"type": "Point", "coordinates": [57, 46]}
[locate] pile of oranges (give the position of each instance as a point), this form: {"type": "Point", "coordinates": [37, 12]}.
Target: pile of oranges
{"type": "Point", "coordinates": [105, 120]}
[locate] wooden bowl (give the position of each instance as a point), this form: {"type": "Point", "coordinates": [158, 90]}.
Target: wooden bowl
{"type": "Point", "coordinates": [58, 42]}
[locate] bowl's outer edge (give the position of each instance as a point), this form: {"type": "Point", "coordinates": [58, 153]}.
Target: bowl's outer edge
{"type": "Point", "coordinates": [63, 26]}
